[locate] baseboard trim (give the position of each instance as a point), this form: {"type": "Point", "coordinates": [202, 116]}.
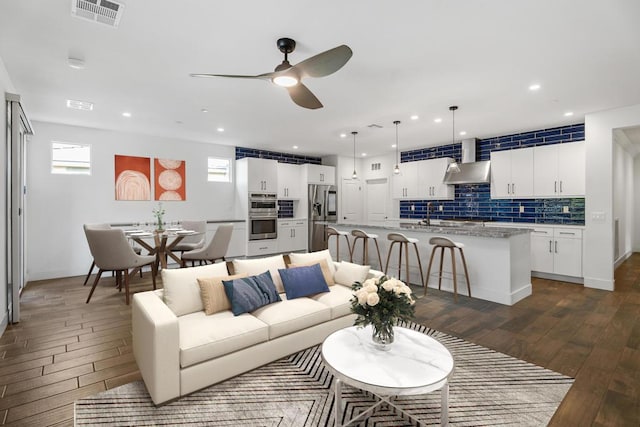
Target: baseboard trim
{"type": "Point", "coordinates": [605, 285]}
{"type": "Point", "coordinates": [558, 277]}
{"type": "Point", "coordinates": [622, 259]}
{"type": "Point", "coordinates": [4, 323]}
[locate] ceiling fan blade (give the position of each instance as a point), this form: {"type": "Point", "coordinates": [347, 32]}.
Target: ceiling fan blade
{"type": "Point", "coordinates": [265, 76]}
{"type": "Point", "coordinates": [301, 95]}
{"type": "Point", "coordinates": [324, 63]}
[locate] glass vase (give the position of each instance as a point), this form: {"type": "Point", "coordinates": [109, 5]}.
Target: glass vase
{"type": "Point", "coordinates": [382, 335]}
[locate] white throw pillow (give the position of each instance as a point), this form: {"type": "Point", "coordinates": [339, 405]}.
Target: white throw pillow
{"type": "Point", "coordinates": [181, 289]}
{"type": "Point", "coordinates": [347, 273]}
{"type": "Point", "coordinates": [253, 267]}
{"type": "Point", "coordinates": [297, 258]}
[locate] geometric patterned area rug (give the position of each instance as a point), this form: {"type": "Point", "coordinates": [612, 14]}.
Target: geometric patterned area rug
{"type": "Point", "coordinates": [487, 388]}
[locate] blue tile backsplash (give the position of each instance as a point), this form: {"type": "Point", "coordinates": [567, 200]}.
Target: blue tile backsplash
{"type": "Point", "coordinates": [242, 152]}
{"type": "Point", "coordinates": [285, 208]}
{"type": "Point", "coordinates": [473, 201]}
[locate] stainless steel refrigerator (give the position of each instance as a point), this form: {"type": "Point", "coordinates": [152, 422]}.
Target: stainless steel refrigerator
{"type": "Point", "coordinates": [323, 210]}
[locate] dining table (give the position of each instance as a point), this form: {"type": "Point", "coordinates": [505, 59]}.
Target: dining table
{"type": "Point", "coordinates": [161, 243]}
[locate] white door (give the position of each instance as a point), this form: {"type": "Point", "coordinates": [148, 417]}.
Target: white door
{"type": "Point", "coordinates": [16, 204]}
{"type": "Point", "coordinates": [351, 200]}
{"type": "Point", "coordinates": [377, 198]}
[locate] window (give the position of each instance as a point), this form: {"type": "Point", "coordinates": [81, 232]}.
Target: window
{"type": "Point", "coordinates": [219, 170]}
{"type": "Point", "coordinates": [71, 159]}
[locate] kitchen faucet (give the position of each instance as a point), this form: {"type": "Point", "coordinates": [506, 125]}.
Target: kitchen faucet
{"type": "Point", "coordinates": [427, 220]}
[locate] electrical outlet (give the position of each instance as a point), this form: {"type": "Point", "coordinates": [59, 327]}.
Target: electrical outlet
{"type": "Point", "coordinates": [565, 209]}
{"type": "Point", "coordinates": [440, 208]}
{"type": "Point", "coordinates": [521, 209]}
{"type": "Point", "coordinates": [413, 208]}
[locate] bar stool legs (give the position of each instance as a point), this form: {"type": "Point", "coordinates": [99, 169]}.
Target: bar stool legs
{"type": "Point", "coordinates": [404, 244]}
{"type": "Point", "coordinates": [359, 234]}
{"type": "Point", "coordinates": [333, 232]}
{"type": "Point", "coordinates": [442, 243]}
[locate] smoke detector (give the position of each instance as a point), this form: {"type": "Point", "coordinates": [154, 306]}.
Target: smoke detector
{"type": "Point", "coordinates": [103, 11]}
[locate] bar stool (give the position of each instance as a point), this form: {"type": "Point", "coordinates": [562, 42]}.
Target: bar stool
{"type": "Point", "coordinates": [442, 243]}
{"type": "Point", "coordinates": [333, 232]}
{"type": "Point", "coordinates": [359, 234]}
{"type": "Point", "coordinates": [404, 242]}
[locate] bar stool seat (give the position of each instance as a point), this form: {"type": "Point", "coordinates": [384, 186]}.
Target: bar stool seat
{"type": "Point", "coordinates": [404, 242]}
{"type": "Point", "coordinates": [333, 232]}
{"type": "Point", "coordinates": [364, 236]}
{"type": "Point", "coordinates": [442, 243]}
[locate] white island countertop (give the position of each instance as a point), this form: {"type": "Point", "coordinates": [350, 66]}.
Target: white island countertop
{"type": "Point", "coordinates": [478, 231]}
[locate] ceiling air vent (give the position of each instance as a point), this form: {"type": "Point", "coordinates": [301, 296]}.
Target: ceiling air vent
{"type": "Point", "coordinates": [102, 11]}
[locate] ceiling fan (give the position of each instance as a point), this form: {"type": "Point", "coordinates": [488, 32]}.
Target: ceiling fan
{"type": "Point", "coordinates": [290, 76]}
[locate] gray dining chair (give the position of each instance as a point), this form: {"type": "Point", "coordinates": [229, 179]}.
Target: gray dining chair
{"type": "Point", "coordinates": [190, 243]}
{"type": "Point", "coordinates": [215, 250]}
{"type": "Point", "coordinates": [112, 252]}
{"type": "Point", "coordinates": [100, 226]}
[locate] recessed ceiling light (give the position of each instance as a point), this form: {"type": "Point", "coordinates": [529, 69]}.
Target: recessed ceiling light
{"type": "Point", "coordinates": [343, 135]}
{"type": "Point", "coordinates": [364, 154]}
{"type": "Point", "coordinates": [204, 110]}
{"type": "Point", "coordinates": [75, 63]}
{"type": "Point", "coordinates": [462, 133]}
{"type": "Point", "coordinates": [295, 147]}
{"type": "Point", "coordinates": [393, 145]}
{"type": "Point", "coordinates": [414, 117]}
{"type": "Point", "coordinates": [79, 105]}
{"type": "Point", "coordinates": [220, 129]}
{"type": "Point", "coordinates": [179, 122]}
{"type": "Point", "coordinates": [126, 114]}
{"type": "Point", "coordinates": [437, 120]}
{"type": "Point", "coordinates": [568, 114]}
{"type": "Point", "coordinates": [534, 87]}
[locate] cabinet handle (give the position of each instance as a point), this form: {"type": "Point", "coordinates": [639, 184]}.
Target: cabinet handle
{"type": "Point", "coordinates": [550, 243]}
{"type": "Point", "coordinates": [513, 188]}
{"type": "Point", "coordinates": [568, 233]}
{"type": "Point", "coordinates": [263, 249]}
{"type": "Point", "coordinates": [294, 232]}
{"type": "Point", "coordinates": [561, 186]}
{"type": "Point", "coordinates": [555, 186]}
{"type": "Point", "coordinates": [321, 177]}
{"type": "Point", "coordinates": [556, 246]}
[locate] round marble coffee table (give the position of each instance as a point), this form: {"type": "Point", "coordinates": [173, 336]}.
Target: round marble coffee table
{"type": "Point", "coordinates": [415, 364]}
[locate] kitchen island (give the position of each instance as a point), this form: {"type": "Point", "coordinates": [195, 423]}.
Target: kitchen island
{"type": "Point", "coordinates": [498, 259]}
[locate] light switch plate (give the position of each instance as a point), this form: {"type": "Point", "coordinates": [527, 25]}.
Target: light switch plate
{"type": "Point", "coordinates": [598, 216]}
{"type": "Point", "coordinates": [565, 209]}
{"type": "Point", "coordinates": [521, 209]}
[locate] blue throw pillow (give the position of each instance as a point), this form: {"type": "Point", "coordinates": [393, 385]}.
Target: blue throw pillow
{"type": "Point", "coordinates": [250, 293]}
{"type": "Point", "coordinates": [303, 281]}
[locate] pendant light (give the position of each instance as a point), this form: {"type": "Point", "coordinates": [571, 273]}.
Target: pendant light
{"type": "Point", "coordinates": [396, 169]}
{"type": "Point", "coordinates": [453, 166]}
{"type": "Point", "coordinates": [355, 175]}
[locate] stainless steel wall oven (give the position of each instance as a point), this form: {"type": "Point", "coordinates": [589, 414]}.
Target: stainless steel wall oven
{"type": "Point", "coordinates": [263, 216]}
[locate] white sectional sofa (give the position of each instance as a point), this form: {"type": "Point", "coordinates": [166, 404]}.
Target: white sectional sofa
{"type": "Point", "coordinates": [179, 349]}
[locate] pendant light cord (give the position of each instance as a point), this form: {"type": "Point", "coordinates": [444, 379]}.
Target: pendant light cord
{"type": "Point", "coordinates": [354, 133]}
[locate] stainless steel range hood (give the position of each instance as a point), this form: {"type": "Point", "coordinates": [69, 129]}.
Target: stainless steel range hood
{"type": "Point", "coordinates": [469, 171]}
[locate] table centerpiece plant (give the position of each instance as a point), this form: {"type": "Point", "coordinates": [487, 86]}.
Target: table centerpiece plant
{"type": "Point", "coordinates": [382, 302]}
{"type": "Point", "coordinates": [159, 214]}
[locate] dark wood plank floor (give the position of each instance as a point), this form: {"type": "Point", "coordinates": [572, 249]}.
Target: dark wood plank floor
{"type": "Point", "coordinates": [65, 349]}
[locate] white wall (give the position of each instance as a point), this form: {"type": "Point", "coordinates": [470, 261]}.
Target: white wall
{"type": "Point", "coordinates": [598, 254]}
{"type": "Point", "coordinates": [623, 199]}
{"type": "Point", "coordinates": [58, 205]}
{"type": "Point", "coordinates": [5, 86]}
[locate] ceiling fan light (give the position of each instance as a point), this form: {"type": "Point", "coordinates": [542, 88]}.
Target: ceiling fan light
{"type": "Point", "coordinates": [285, 81]}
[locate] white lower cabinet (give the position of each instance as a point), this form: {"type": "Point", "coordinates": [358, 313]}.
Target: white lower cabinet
{"type": "Point", "coordinates": [292, 235]}
{"type": "Point", "coordinates": [557, 251]}
{"type": "Point", "coordinates": [262, 247]}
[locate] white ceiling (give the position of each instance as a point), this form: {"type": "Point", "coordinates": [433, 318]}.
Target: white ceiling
{"type": "Point", "coordinates": [410, 57]}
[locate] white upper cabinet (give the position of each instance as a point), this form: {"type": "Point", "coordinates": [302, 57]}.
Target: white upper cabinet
{"type": "Point", "coordinates": [404, 185]}
{"type": "Point", "coordinates": [289, 181]}
{"type": "Point", "coordinates": [320, 174]}
{"type": "Point", "coordinates": [260, 175]}
{"type": "Point", "coordinates": [430, 175]}
{"type": "Point", "coordinates": [559, 170]}
{"type": "Point", "coordinates": [422, 180]}
{"type": "Point", "coordinates": [512, 174]}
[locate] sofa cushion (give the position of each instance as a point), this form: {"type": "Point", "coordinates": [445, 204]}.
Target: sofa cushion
{"type": "Point", "coordinates": [347, 273]}
{"type": "Point", "coordinates": [205, 337]}
{"type": "Point", "coordinates": [214, 297]}
{"type": "Point", "coordinates": [256, 266]}
{"type": "Point", "coordinates": [289, 316]}
{"type": "Point", "coordinates": [338, 299]}
{"type": "Point", "coordinates": [313, 256]}
{"type": "Point", "coordinates": [324, 266]}
{"type": "Point", "coordinates": [303, 281]}
{"type": "Point", "coordinates": [181, 290]}
{"type": "Point", "coordinates": [250, 293]}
